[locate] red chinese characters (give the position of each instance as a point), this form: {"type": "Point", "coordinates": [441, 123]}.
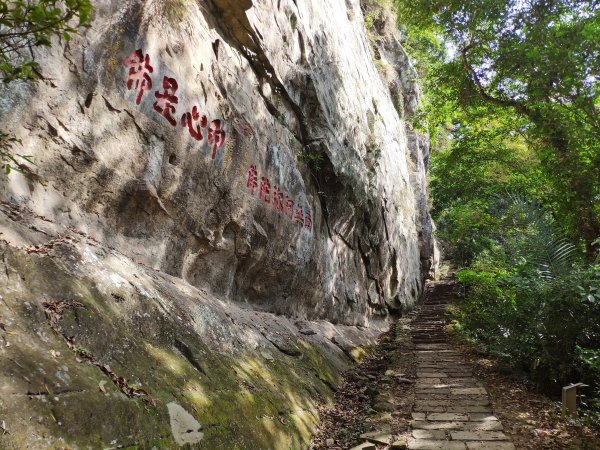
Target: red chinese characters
{"type": "Point", "coordinates": [278, 200]}
{"type": "Point", "coordinates": [299, 217]}
{"type": "Point", "coordinates": [166, 99]}
{"type": "Point", "coordinates": [288, 209]}
{"type": "Point", "coordinates": [265, 190]}
{"type": "Point", "coordinates": [138, 76]}
{"type": "Point", "coordinates": [190, 118]}
{"type": "Point", "coordinates": [284, 205]}
{"type": "Point", "coordinates": [252, 181]}
{"type": "Point", "coordinates": [308, 221]}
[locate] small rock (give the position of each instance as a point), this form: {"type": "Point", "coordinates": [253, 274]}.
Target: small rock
{"type": "Point", "coordinates": [185, 428]}
{"type": "Point", "coordinates": [384, 407]}
{"type": "Point", "coordinates": [379, 437]}
{"type": "Point", "coordinates": [404, 380]}
{"type": "Point", "coordinates": [266, 90]}
{"type": "Point", "coordinates": [329, 442]}
{"type": "Point", "coordinates": [307, 332]}
{"type": "Point", "coordinates": [400, 444]}
{"type": "Point", "coordinates": [267, 356]}
{"type": "Point", "coordinates": [365, 446]}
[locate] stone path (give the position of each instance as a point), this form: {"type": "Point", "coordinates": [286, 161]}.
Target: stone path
{"type": "Point", "coordinates": [452, 409]}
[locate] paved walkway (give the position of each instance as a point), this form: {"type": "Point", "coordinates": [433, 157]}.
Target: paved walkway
{"type": "Point", "coordinates": [452, 409]}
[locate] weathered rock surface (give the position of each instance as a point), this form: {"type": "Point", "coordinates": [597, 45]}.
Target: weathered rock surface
{"type": "Point", "coordinates": [96, 350]}
{"type": "Point", "coordinates": [137, 258]}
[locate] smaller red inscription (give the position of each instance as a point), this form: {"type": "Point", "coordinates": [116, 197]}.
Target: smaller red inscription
{"type": "Point", "coordinates": [289, 207]}
{"type": "Point", "coordinates": [252, 182]}
{"type": "Point", "coordinates": [189, 118]}
{"type": "Point", "coordinates": [278, 203]}
{"type": "Point", "coordinates": [297, 214]}
{"type": "Point", "coordinates": [139, 73]}
{"type": "Point", "coordinates": [299, 217]}
{"type": "Point", "coordinates": [308, 221]}
{"type": "Point", "coordinates": [165, 99]}
{"type": "Point", "coordinates": [265, 190]}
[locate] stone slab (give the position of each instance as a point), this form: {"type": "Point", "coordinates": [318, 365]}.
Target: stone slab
{"type": "Point", "coordinates": [481, 417]}
{"type": "Point", "coordinates": [490, 425]}
{"type": "Point", "coordinates": [400, 444]}
{"type": "Point", "coordinates": [469, 409]}
{"type": "Point", "coordinates": [428, 381]}
{"type": "Point", "coordinates": [379, 437]}
{"type": "Point", "coordinates": [423, 444]}
{"type": "Point", "coordinates": [365, 446]}
{"type": "Point", "coordinates": [430, 409]}
{"type": "Point", "coordinates": [428, 401]}
{"type": "Point", "coordinates": [478, 436]}
{"type": "Point", "coordinates": [448, 417]}
{"type": "Point", "coordinates": [435, 425]}
{"type": "Point", "coordinates": [491, 446]}
{"type": "Point", "coordinates": [468, 391]}
{"type": "Point", "coordinates": [429, 434]}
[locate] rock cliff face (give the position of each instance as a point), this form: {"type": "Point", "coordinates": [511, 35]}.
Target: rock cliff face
{"type": "Point", "coordinates": [214, 181]}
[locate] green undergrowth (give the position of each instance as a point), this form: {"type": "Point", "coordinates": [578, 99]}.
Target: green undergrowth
{"type": "Point", "coordinates": [545, 330]}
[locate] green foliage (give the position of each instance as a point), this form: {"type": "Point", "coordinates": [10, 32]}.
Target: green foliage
{"type": "Point", "coordinates": [311, 158]}
{"type": "Point", "coordinates": [532, 300]}
{"type": "Point", "coordinates": [537, 324]}
{"type": "Point", "coordinates": [527, 67]}
{"type": "Point", "coordinates": [83, 352]}
{"type": "Point", "coordinates": [8, 159]}
{"type": "Point", "coordinates": [25, 25]}
{"type": "Point", "coordinates": [370, 20]}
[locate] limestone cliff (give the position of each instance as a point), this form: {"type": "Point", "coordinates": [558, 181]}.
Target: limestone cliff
{"type": "Point", "coordinates": [216, 183]}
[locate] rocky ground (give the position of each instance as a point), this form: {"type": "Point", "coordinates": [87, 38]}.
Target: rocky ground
{"type": "Point", "coordinates": [422, 389]}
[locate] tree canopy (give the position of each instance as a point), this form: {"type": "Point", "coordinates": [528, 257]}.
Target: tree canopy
{"type": "Point", "coordinates": [538, 60]}
{"type": "Point", "coordinates": [26, 24]}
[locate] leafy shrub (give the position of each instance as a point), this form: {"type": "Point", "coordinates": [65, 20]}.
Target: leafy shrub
{"type": "Point", "coordinates": [532, 300]}
{"type": "Point", "coordinates": [536, 324]}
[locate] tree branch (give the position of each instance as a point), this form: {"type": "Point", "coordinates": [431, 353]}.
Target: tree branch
{"type": "Point", "coordinates": [522, 108]}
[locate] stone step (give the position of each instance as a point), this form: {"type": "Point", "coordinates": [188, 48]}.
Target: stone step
{"type": "Point", "coordinates": [452, 409]}
{"type": "Point", "coordinates": [425, 444]}
{"type": "Point", "coordinates": [490, 446]}
{"type": "Point", "coordinates": [493, 425]}
{"type": "Point", "coordinates": [478, 436]}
